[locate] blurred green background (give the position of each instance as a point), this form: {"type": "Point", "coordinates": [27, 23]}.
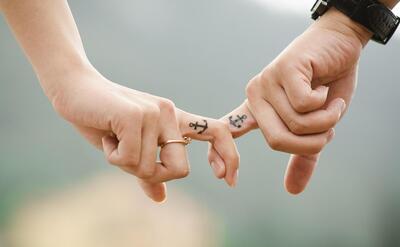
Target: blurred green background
{"type": "Point", "coordinates": [201, 54]}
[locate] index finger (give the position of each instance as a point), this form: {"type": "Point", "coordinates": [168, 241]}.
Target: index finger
{"type": "Point", "coordinates": [240, 121]}
{"type": "Point", "coordinates": [279, 137]}
{"type": "Point", "coordinates": [216, 132]}
{"type": "Point", "coordinates": [297, 85]}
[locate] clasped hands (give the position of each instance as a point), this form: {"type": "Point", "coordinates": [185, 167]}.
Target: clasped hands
{"type": "Point", "coordinates": [296, 101]}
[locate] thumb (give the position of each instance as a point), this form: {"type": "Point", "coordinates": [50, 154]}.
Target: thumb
{"type": "Point", "coordinates": [299, 171]}
{"type": "Point", "coordinates": [156, 191]}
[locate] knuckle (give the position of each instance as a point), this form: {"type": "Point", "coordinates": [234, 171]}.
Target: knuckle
{"type": "Point", "coordinates": [297, 126]}
{"type": "Point", "coordinates": [166, 105]}
{"type": "Point", "coordinates": [181, 172]}
{"type": "Point", "coordinates": [153, 112]}
{"type": "Point", "coordinates": [130, 161]}
{"type": "Point", "coordinates": [140, 174]}
{"type": "Point", "coordinates": [250, 90]}
{"type": "Point", "coordinates": [112, 161]}
{"type": "Point", "coordinates": [315, 148]}
{"type": "Point", "coordinates": [302, 103]}
{"type": "Point", "coordinates": [221, 127]}
{"type": "Point", "coordinates": [275, 142]}
{"type": "Point", "coordinates": [253, 88]}
{"type": "Point", "coordinates": [327, 121]}
{"type": "Point", "coordinates": [145, 173]}
{"type": "Point", "coordinates": [333, 119]}
{"type": "Point", "coordinates": [269, 71]}
{"type": "Point", "coordinates": [135, 112]}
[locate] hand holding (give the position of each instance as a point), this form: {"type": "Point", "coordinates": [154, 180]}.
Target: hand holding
{"type": "Point", "coordinates": [298, 99]}
{"type": "Point", "coordinates": [129, 126]}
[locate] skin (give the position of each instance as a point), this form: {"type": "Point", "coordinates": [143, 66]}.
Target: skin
{"type": "Point", "coordinates": [128, 125]}
{"type": "Point", "coordinates": [298, 99]}
{"type": "Point", "coordinates": [295, 101]}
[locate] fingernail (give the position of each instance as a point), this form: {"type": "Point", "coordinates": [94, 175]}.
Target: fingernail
{"type": "Point", "coordinates": [322, 88]}
{"type": "Point", "coordinates": [162, 201]}
{"type": "Point", "coordinates": [341, 104]}
{"type": "Point", "coordinates": [331, 134]}
{"type": "Point", "coordinates": [235, 178]}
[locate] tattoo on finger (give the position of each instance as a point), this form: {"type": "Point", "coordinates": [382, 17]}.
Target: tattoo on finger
{"type": "Point", "coordinates": [238, 121]}
{"type": "Point", "coordinates": [200, 127]}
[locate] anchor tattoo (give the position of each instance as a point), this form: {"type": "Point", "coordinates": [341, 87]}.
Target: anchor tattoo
{"type": "Point", "coordinates": [238, 121]}
{"type": "Point", "coordinates": [201, 127]}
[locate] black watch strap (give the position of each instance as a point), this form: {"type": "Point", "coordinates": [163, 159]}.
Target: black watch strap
{"type": "Point", "coordinates": [372, 14]}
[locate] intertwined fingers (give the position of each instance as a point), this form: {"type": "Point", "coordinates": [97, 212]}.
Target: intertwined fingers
{"type": "Point", "coordinates": [242, 121]}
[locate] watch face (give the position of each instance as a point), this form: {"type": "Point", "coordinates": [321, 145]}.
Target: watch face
{"type": "Point", "coordinates": [319, 8]}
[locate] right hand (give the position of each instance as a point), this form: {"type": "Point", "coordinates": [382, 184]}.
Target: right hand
{"type": "Point", "coordinates": [130, 125]}
{"type": "Point", "coordinates": [242, 121]}
{"type": "Point", "coordinates": [298, 99]}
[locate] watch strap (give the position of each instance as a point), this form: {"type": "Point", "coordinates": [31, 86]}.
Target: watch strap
{"type": "Point", "coordinates": [373, 15]}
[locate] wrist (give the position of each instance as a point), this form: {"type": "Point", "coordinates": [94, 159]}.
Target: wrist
{"type": "Point", "coordinates": [335, 20]}
{"type": "Point", "coordinates": [60, 79]}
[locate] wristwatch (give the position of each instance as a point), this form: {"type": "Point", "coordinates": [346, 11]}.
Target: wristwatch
{"type": "Point", "coordinates": [372, 14]}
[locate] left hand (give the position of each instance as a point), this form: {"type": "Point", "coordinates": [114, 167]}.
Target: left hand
{"type": "Point", "coordinates": [129, 125]}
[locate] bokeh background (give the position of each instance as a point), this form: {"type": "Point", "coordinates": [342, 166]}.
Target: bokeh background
{"type": "Point", "coordinates": [56, 190]}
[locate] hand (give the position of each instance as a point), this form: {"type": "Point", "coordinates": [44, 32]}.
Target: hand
{"type": "Point", "coordinates": [242, 121]}
{"type": "Point", "coordinates": [303, 93]}
{"type": "Point", "coordinates": [129, 125]}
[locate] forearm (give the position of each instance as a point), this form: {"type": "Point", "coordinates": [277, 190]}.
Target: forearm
{"type": "Point", "coordinates": [48, 34]}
